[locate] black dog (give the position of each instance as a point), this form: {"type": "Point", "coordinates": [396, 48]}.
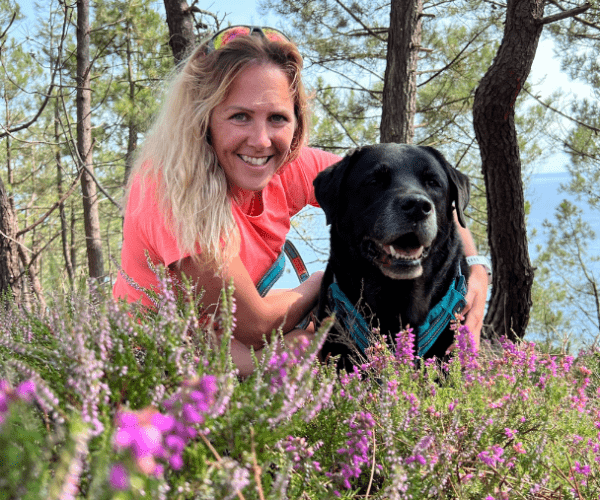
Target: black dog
{"type": "Point", "coordinates": [395, 250]}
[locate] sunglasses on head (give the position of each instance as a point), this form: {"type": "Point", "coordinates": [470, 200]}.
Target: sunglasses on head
{"type": "Point", "coordinates": [223, 37]}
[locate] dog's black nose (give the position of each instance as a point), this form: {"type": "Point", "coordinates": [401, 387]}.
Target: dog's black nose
{"type": "Point", "coordinates": [416, 207]}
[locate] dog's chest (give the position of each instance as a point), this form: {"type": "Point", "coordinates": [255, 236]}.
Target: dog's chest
{"type": "Point", "coordinates": [396, 307]}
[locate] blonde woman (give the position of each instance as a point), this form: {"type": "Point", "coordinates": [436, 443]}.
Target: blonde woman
{"type": "Point", "coordinates": [218, 178]}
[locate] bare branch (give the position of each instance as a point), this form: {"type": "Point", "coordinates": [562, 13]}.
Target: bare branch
{"type": "Point", "coordinates": [12, 20]}
{"type": "Point", "coordinates": [565, 14]}
{"type": "Point", "coordinates": [336, 118]}
{"type": "Point", "coordinates": [52, 208]}
{"type": "Point", "coordinates": [37, 115]}
{"type": "Point", "coordinates": [372, 33]}
{"type": "Point", "coordinates": [582, 124]}
{"type": "Point", "coordinates": [456, 58]}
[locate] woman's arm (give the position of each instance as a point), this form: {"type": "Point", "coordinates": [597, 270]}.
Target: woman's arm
{"type": "Point", "coordinates": [256, 316]}
{"type": "Point", "coordinates": [477, 287]}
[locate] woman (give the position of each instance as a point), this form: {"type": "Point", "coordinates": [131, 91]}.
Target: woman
{"type": "Point", "coordinates": [218, 178]}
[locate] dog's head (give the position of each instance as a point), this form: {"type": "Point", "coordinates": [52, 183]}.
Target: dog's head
{"type": "Point", "coordinates": [393, 202]}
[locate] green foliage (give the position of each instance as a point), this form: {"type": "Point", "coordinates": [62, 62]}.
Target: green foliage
{"type": "Point", "coordinates": [566, 281]}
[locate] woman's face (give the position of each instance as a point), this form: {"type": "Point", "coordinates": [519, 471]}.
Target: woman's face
{"type": "Point", "coordinates": [252, 129]}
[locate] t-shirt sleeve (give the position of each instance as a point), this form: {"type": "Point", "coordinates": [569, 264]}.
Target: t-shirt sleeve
{"type": "Point", "coordinates": [298, 177]}
{"type": "Point", "coordinates": [154, 232]}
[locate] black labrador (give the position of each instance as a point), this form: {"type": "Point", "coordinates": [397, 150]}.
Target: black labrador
{"type": "Point", "coordinates": [395, 253]}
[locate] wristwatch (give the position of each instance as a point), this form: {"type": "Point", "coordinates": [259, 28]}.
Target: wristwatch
{"type": "Point", "coordinates": [474, 260]}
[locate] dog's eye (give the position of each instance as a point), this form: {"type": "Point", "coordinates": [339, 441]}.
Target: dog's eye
{"type": "Point", "coordinates": [433, 182]}
{"type": "Point", "coordinates": [380, 177]}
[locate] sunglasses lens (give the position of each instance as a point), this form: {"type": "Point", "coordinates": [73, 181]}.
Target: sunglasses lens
{"type": "Point", "coordinates": [224, 37]}
{"type": "Point", "coordinates": [275, 35]}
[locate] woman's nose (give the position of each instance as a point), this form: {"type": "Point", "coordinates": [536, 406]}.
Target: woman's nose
{"type": "Point", "coordinates": [260, 136]}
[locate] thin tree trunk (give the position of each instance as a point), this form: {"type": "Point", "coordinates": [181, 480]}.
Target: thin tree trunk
{"type": "Point", "coordinates": [9, 265]}
{"type": "Point", "coordinates": [400, 83]}
{"type": "Point", "coordinates": [61, 209]}
{"type": "Point", "coordinates": [84, 143]}
{"type": "Point", "coordinates": [494, 123]}
{"type": "Point", "coordinates": [131, 126]}
{"type": "Point", "coordinates": [181, 28]}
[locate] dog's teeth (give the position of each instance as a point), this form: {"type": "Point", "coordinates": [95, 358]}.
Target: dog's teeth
{"type": "Point", "coordinates": [403, 253]}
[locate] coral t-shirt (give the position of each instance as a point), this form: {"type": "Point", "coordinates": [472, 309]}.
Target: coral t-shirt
{"type": "Point", "coordinates": [261, 235]}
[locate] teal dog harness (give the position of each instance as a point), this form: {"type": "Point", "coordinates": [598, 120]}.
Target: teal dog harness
{"type": "Point", "coordinates": [437, 320]}
{"type": "Point", "coordinates": [276, 270]}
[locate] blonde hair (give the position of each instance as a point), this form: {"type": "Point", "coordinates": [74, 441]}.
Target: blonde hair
{"type": "Point", "coordinates": [192, 188]}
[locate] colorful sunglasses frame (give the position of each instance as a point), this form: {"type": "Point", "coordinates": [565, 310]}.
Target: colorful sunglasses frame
{"type": "Point", "coordinates": [224, 36]}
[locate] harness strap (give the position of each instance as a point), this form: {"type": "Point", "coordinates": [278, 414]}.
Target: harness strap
{"type": "Point", "coordinates": [271, 276]}
{"type": "Point", "coordinates": [297, 262]}
{"type": "Point", "coordinates": [276, 271]}
{"type": "Point", "coordinates": [440, 316]}
{"type": "Point", "coordinates": [351, 320]}
{"type": "Point", "coordinates": [437, 320]}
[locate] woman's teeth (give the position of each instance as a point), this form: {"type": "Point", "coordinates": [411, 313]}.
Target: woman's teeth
{"type": "Point", "coordinates": [255, 161]}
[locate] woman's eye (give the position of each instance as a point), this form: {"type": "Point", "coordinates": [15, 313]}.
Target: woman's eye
{"type": "Point", "coordinates": [278, 119]}
{"type": "Point", "coordinates": [239, 117]}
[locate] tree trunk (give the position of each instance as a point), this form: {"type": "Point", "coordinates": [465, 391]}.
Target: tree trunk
{"type": "Point", "coordinates": [61, 209]}
{"type": "Point", "coordinates": [494, 123]}
{"type": "Point", "coordinates": [181, 28]}
{"type": "Point", "coordinates": [400, 82]}
{"type": "Point", "coordinates": [84, 143]}
{"type": "Point", "coordinates": [131, 125]}
{"type": "Point", "coordinates": [9, 264]}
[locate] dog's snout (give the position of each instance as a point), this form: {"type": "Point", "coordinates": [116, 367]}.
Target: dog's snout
{"type": "Point", "coordinates": [416, 207]}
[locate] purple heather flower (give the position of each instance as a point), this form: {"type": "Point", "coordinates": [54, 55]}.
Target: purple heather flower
{"type": "Point", "coordinates": [26, 391]}
{"type": "Point", "coordinates": [582, 469]}
{"type": "Point", "coordinates": [405, 346]}
{"type": "Point", "coordinates": [3, 402]}
{"type": "Point", "coordinates": [163, 423]}
{"type": "Point", "coordinates": [492, 455]}
{"type": "Point", "coordinates": [176, 462]}
{"type": "Point", "coordinates": [119, 477]}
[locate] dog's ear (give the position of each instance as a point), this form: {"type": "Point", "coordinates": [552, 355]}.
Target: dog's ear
{"type": "Point", "coordinates": [328, 185]}
{"type": "Point", "coordinates": [460, 189]}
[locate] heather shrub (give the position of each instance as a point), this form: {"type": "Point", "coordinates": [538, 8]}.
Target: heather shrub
{"type": "Point", "coordinates": [103, 400]}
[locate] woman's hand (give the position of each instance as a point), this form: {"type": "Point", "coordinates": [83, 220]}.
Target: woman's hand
{"type": "Point", "coordinates": [477, 287]}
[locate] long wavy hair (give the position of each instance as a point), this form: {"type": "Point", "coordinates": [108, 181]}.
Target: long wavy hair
{"type": "Point", "coordinates": [192, 190]}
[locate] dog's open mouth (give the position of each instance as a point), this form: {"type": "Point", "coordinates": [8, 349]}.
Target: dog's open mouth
{"type": "Point", "coordinates": [399, 259]}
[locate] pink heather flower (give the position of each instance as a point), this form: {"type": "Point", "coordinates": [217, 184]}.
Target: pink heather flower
{"type": "Point", "coordinates": [510, 433]}
{"type": "Point", "coordinates": [118, 477]}
{"type": "Point", "coordinates": [416, 458]}
{"type": "Point", "coordinates": [492, 455]}
{"type": "Point", "coordinates": [405, 347]}
{"type": "Point", "coordinates": [582, 469]}
{"type": "Point", "coordinates": [519, 448]}
{"type": "Point", "coordinates": [26, 391]}
{"type": "Point", "coordinates": [176, 462]}
{"type": "Point", "coordinates": [127, 419]}
{"type": "Point", "coordinates": [163, 423]}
